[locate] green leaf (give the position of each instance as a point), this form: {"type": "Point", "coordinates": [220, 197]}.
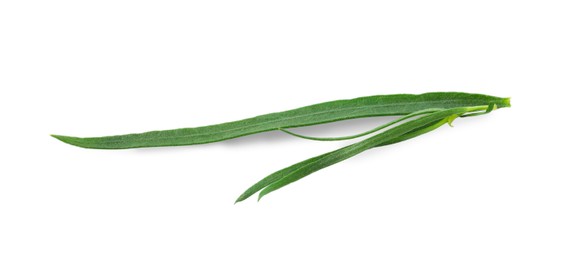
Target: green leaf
{"type": "Point", "coordinates": [399, 133]}
{"type": "Point", "coordinates": [281, 173]}
{"type": "Point", "coordinates": [383, 105]}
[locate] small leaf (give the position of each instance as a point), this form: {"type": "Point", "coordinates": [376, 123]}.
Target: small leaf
{"type": "Point", "coordinates": [399, 133]}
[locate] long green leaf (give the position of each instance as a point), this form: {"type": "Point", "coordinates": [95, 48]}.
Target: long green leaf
{"type": "Point", "coordinates": [283, 172]}
{"type": "Point", "coordinates": [399, 133]}
{"type": "Point", "coordinates": [382, 105]}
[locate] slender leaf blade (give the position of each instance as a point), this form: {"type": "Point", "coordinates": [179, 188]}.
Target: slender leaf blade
{"type": "Point", "coordinates": [402, 132]}
{"type": "Point", "coordinates": [381, 105]}
{"type": "Point", "coordinates": [283, 172]}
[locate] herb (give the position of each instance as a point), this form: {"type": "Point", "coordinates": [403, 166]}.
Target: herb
{"type": "Point", "coordinates": [425, 111]}
{"type": "Point", "coordinates": [384, 105]}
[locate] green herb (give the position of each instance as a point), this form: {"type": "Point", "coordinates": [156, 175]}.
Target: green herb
{"type": "Point", "coordinates": [385, 105]}
{"type": "Point", "coordinates": [399, 133]}
{"type": "Point", "coordinates": [425, 112]}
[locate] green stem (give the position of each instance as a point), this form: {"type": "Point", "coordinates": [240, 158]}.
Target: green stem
{"type": "Point", "coordinates": [376, 129]}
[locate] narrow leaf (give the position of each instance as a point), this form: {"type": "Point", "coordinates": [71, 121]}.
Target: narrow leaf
{"type": "Point", "coordinates": [281, 173]}
{"type": "Point", "coordinates": [382, 105]}
{"type": "Point", "coordinates": [402, 132]}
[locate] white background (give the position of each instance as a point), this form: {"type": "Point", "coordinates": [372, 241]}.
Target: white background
{"type": "Point", "coordinates": [493, 187]}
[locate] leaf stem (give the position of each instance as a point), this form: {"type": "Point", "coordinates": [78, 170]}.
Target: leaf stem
{"type": "Point", "coordinates": [376, 129]}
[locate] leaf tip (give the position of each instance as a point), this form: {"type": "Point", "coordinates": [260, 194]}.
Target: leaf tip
{"type": "Point", "coordinates": [239, 199]}
{"type": "Point", "coordinates": [261, 195]}
{"type": "Point", "coordinates": [75, 141]}
{"type": "Point", "coordinates": [61, 138]}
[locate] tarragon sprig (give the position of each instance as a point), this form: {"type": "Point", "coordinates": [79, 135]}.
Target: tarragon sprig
{"type": "Point", "coordinates": [421, 114]}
